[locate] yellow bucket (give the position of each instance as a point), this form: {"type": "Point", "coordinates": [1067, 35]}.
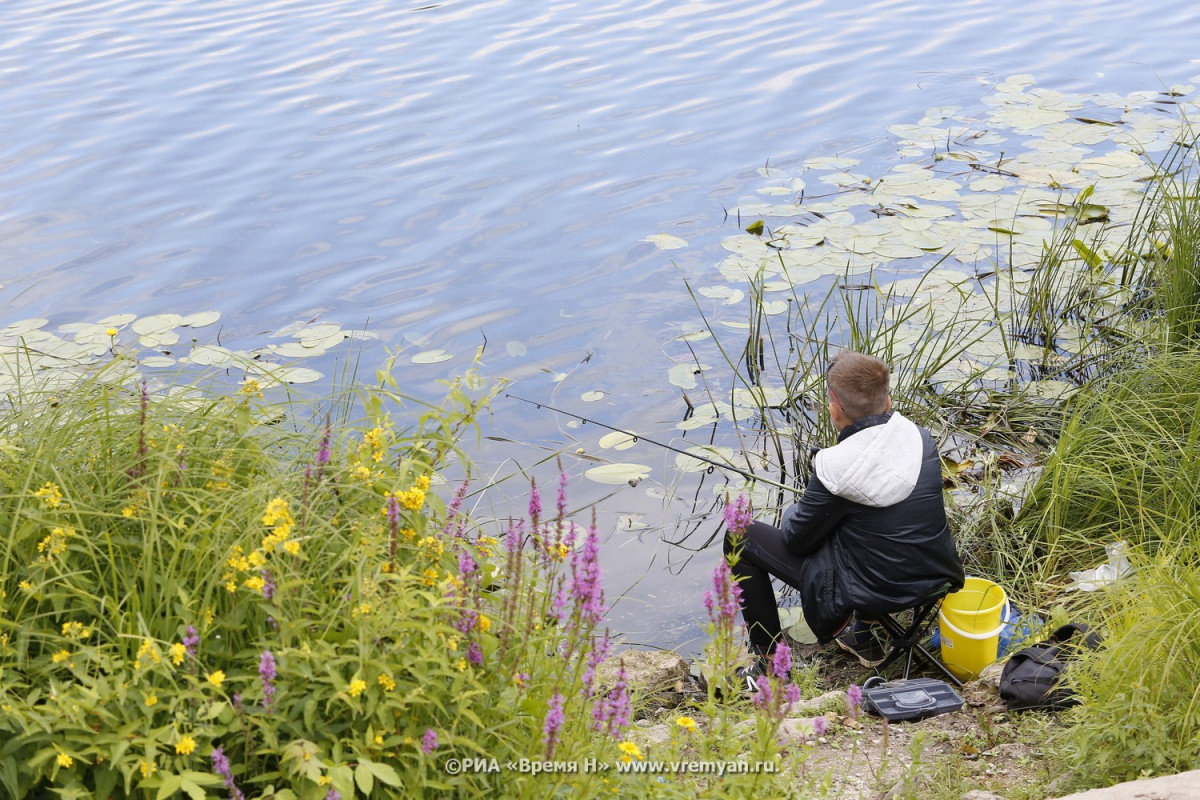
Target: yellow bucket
{"type": "Point", "coordinates": [970, 622]}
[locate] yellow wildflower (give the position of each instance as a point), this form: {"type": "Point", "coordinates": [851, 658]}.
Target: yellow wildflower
{"type": "Point", "coordinates": [230, 582]}
{"type": "Point", "coordinates": [461, 664]}
{"type": "Point", "coordinates": [452, 643]}
{"type": "Point", "coordinates": [423, 483]}
{"type": "Point", "coordinates": [560, 551]}
{"type": "Point", "coordinates": [357, 687]}
{"type": "Point", "coordinates": [186, 745]}
{"type": "Point", "coordinates": [76, 631]}
{"type": "Point", "coordinates": [257, 559]}
{"type": "Point", "coordinates": [251, 388]}
{"type": "Point", "coordinates": [519, 679]}
{"type": "Point", "coordinates": [379, 738]}
{"type": "Point", "coordinates": [430, 576]}
{"type": "Point", "coordinates": [630, 751]}
{"type": "Point", "coordinates": [55, 544]}
{"type": "Point", "coordinates": [152, 700]}
{"type": "Point", "coordinates": [361, 610]}
{"type": "Point", "coordinates": [237, 560]}
{"type": "Point", "coordinates": [292, 546]}
{"type": "Point", "coordinates": [50, 494]}
{"type": "Point", "coordinates": [408, 533]}
{"type": "Point", "coordinates": [178, 653]}
{"type": "Point", "coordinates": [64, 760]}
{"type": "Point", "coordinates": [130, 512]}
{"type": "Point", "coordinates": [687, 723]}
{"type": "Point", "coordinates": [278, 517]}
{"type": "Point", "coordinates": [361, 472]}
{"type": "Point", "coordinates": [148, 651]}
{"type": "Point", "coordinates": [222, 471]}
{"type": "Point", "coordinates": [111, 332]}
{"type": "Point", "coordinates": [208, 616]}
{"type": "Point", "coordinates": [25, 586]}
{"type": "Point", "coordinates": [432, 547]}
{"type": "Point", "coordinates": [483, 623]}
{"type": "Point", "coordinates": [147, 768]}
{"type": "Point", "coordinates": [61, 656]}
{"type": "Point", "coordinates": [255, 583]}
{"type": "Point", "coordinates": [386, 682]}
{"type": "Point", "coordinates": [216, 678]}
{"type": "Point", "coordinates": [411, 499]}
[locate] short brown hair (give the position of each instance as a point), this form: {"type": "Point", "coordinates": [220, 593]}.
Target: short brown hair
{"type": "Point", "coordinates": [860, 384]}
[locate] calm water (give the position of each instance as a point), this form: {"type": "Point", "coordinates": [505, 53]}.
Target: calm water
{"type": "Point", "coordinates": [443, 172]}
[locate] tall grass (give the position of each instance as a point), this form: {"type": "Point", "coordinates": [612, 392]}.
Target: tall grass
{"type": "Point", "coordinates": [207, 593]}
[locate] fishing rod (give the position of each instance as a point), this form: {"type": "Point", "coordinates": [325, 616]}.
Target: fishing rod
{"type": "Point", "coordinates": [750, 476]}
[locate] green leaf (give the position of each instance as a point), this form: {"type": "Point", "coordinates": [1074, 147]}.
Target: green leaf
{"type": "Point", "coordinates": [382, 772]}
{"type": "Point", "coordinates": [755, 227]}
{"type": "Point", "coordinates": [169, 786]}
{"type": "Point", "coordinates": [193, 790]}
{"type": "Point", "coordinates": [1087, 254]}
{"type": "Point", "coordinates": [364, 779]}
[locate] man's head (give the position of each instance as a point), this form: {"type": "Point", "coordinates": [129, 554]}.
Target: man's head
{"type": "Point", "coordinates": [858, 387]}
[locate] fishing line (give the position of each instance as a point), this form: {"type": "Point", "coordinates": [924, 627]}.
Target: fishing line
{"type": "Point", "coordinates": [750, 476]}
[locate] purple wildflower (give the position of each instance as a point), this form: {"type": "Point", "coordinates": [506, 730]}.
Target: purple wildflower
{"type": "Point", "coordinates": [474, 653]}
{"type": "Point", "coordinates": [333, 794]}
{"type": "Point", "coordinates": [619, 706]}
{"type": "Point", "coordinates": [562, 495]}
{"type": "Point", "coordinates": [323, 454]}
{"type": "Point", "coordinates": [781, 662]}
{"type": "Point", "coordinates": [466, 564]}
{"type": "Point", "coordinates": [819, 726]}
{"type": "Point", "coordinates": [594, 659]}
{"type": "Point", "coordinates": [559, 604]}
{"type": "Point", "coordinates": [854, 699]}
{"type": "Point", "coordinates": [514, 537]}
{"type": "Point", "coordinates": [237, 702]}
{"type": "Point", "coordinates": [221, 767]}
{"type": "Point", "coordinates": [738, 515]}
{"type": "Point", "coordinates": [792, 694]}
{"type": "Point", "coordinates": [191, 641]}
{"type": "Point", "coordinates": [763, 697]}
{"type": "Point", "coordinates": [429, 741]}
{"type": "Point", "coordinates": [266, 671]}
{"type": "Point", "coordinates": [586, 588]}
{"type": "Point", "coordinates": [554, 721]}
{"type": "Point", "coordinates": [393, 512]}
{"type": "Point", "coordinates": [727, 594]}
{"type": "Point", "coordinates": [268, 589]}
{"type": "Point", "coordinates": [454, 520]}
{"type": "Point", "coordinates": [535, 503]}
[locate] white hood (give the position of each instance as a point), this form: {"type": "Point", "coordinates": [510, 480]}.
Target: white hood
{"type": "Point", "coordinates": [877, 466]}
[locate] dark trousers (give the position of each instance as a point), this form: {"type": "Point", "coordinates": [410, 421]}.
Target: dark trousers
{"type": "Point", "coordinates": [761, 554]}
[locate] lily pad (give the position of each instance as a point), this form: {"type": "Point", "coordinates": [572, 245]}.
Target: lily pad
{"type": "Point", "coordinates": [431, 357]}
{"type": "Point", "coordinates": [665, 241]}
{"type": "Point", "coordinates": [616, 474]}
{"type": "Point", "coordinates": [618, 440]}
{"type": "Point", "coordinates": [591, 397]}
{"type": "Point", "coordinates": [200, 319]}
{"type": "Point", "coordinates": [156, 324]}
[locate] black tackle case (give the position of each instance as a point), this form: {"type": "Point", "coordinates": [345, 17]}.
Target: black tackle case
{"type": "Point", "coordinates": [916, 698]}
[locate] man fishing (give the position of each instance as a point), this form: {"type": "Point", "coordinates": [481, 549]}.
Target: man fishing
{"type": "Point", "coordinates": [868, 534]}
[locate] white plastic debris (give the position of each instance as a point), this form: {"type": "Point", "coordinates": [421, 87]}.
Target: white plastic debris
{"type": "Point", "coordinates": [1118, 567]}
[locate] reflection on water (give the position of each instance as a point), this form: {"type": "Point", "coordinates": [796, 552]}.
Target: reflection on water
{"type": "Point", "coordinates": [447, 172]}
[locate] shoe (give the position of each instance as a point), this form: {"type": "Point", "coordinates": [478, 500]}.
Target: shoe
{"type": "Point", "coordinates": [747, 677]}
{"type": "Point", "coordinates": [861, 641]}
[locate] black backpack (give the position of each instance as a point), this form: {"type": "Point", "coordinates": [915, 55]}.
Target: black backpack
{"type": "Point", "coordinates": [1033, 677]}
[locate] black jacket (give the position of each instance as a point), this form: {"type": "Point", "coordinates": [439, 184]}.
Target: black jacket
{"type": "Point", "coordinates": [872, 525]}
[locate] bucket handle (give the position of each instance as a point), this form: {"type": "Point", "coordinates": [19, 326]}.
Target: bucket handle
{"type": "Point", "coordinates": [1004, 612]}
